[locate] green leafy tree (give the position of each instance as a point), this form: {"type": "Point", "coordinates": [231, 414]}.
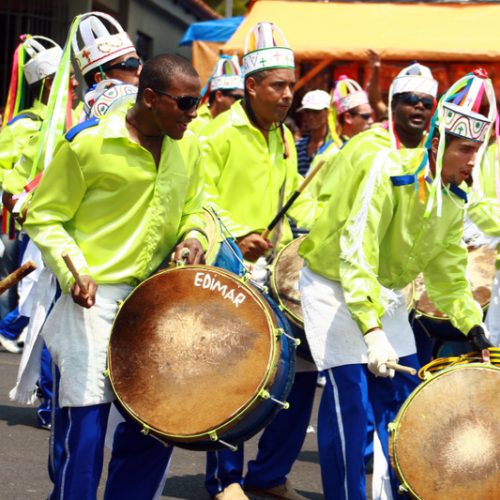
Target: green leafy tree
{"type": "Point", "coordinates": [239, 6]}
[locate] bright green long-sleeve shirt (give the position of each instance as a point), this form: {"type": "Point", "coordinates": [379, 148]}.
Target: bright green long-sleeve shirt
{"type": "Point", "coordinates": [15, 136]}
{"type": "Point", "coordinates": [373, 234]}
{"type": "Point", "coordinates": [198, 125]}
{"type": "Point", "coordinates": [245, 175]}
{"type": "Point", "coordinates": [105, 202]}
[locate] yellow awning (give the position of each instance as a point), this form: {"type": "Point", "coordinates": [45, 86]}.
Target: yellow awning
{"type": "Point", "coordinates": [432, 32]}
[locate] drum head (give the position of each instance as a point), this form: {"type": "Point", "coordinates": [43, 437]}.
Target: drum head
{"type": "Point", "coordinates": [446, 437]}
{"type": "Point", "coordinates": [190, 350]}
{"type": "Point", "coordinates": [285, 279]}
{"type": "Point", "coordinates": [481, 271]}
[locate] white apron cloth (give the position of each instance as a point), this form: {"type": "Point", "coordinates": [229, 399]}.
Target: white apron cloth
{"type": "Point", "coordinates": [27, 288]}
{"type": "Point", "coordinates": [77, 339]}
{"type": "Point", "coordinates": [334, 337]}
{"type": "Point", "coordinates": [493, 316]}
{"type": "Point", "coordinates": [42, 297]}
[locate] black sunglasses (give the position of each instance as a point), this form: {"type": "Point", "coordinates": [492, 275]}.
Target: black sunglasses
{"type": "Point", "coordinates": [364, 116]}
{"type": "Point", "coordinates": [130, 64]}
{"type": "Point", "coordinates": [413, 100]}
{"type": "Point", "coordinates": [236, 97]}
{"type": "Point", "coordinates": [184, 102]}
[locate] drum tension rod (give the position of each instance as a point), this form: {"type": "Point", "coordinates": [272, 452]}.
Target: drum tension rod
{"type": "Point", "coordinates": [266, 395]}
{"type": "Point", "coordinates": [232, 447]}
{"type": "Point", "coordinates": [280, 332]}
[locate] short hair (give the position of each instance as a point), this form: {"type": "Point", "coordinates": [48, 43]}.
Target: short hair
{"type": "Point", "coordinates": [258, 76]}
{"type": "Point", "coordinates": [160, 71]}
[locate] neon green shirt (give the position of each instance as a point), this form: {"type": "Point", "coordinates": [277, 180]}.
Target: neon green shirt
{"type": "Point", "coordinates": [16, 134]}
{"type": "Point", "coordinates": [245, 175]}
{"type": "Point", "coordinates": [373, 234]}
{"type": "Point", "coordinates": [201, 121]}
{"type": "Point", "coordinates": [104, 201]}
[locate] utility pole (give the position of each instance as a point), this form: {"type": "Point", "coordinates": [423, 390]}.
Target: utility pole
{"type": "Point", "coordinates": [229, 8]}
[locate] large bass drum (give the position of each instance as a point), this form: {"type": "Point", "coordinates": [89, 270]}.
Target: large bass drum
{"type": "Point", "coordinates": [198, 357]}
{"type": "Point", "coordinates": [445, 441]}
{"type": "Point", "coordinates": [481, 272]}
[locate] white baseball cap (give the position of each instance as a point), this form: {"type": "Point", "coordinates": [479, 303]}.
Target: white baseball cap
{"type": "Point", "coordinates": [316, 100]}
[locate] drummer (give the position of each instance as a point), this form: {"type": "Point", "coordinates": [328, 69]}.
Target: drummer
{"type": "Point", "coordinates": [373, 238]}
{"type": "Point", "coordinates": [224, 88]}
{"type": "Point", "coordinates": [251, 170]}
{"type": "Point", "coordinates": [118, 224]}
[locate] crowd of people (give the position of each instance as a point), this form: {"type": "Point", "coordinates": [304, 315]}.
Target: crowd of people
{"type": "Point", "coordinates": [120, 180]}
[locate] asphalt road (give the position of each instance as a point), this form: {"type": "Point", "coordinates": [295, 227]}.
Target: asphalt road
{"type": "Point", "coordinates": [23, 462]}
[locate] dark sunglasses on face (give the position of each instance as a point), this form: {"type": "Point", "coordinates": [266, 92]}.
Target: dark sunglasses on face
{"type": "Point", "coordinates": [363, 116]}
{"type": "Point", "coordinates": [130, 64]}
{"type": "Point", "coordinates": [184, 102]}
{"type": "Point", "coordinates": [236, 97]}
{"type": "Point", "coordinates": [413, 100]}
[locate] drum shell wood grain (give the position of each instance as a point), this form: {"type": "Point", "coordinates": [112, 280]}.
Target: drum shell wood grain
{"type": "Point", "coordinates": [444, 443]}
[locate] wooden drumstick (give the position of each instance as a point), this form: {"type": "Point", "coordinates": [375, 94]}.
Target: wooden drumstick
{"type": "Point", "coordinates": [74, 272]}
{"type": "Point", "coordinates": [16, 276]}
{"type": "Point", "coordinates": [401, 368]}
{"type": "Point", "coordinates": [294, 196]}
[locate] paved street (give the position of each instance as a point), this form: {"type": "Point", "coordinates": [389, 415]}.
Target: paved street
{"type": "Point", "coordinates": [23, 468]}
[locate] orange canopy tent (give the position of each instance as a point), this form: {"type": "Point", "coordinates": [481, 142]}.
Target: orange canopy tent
{"type": "Point", "coordinates": [325, 32]}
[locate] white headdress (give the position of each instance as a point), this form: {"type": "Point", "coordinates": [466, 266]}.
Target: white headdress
{"type": "Point", "coordinates": [99, 45]}
{"type": "Point", "coordinates": [348, 94]}
{"type": "Point", "coordinates": [266, 48]}
{"type": "Point", "coordinates": [43, 61]}
{"type": "Point", "coordinates": [226, 75]}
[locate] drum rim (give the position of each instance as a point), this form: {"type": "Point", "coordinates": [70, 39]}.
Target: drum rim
{"type": "Point", "coordinates": [274, 286]}
{"type": "Point", "coordinates": [394, 426]}
{"type": "Point", "coordinates": [240, 413]}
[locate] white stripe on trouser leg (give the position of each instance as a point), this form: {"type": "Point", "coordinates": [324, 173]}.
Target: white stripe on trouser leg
{"type": "Point", "coordinates": [55, 403]}
{"type": "Point", "coordinates": [68, 456]}
{"type": "Point", "coordinates": [340, 424]}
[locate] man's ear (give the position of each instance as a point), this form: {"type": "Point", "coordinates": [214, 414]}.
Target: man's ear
{"type": "Point", "coordinates": [348, 118]}
{"type": "Point", "coordinates": [251, 86]}
{"type": "Point", "coordinates": [149, 98]}
{"type": "Point", "coordinates": [98, 76]}
{"type": "Point", "coordinates": [218, 95]}
{"type": "Point", "coordinates": [434, 145]}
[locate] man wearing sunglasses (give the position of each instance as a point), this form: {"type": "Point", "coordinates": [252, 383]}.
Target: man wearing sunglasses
{"type": "Point", "coordinates": [117, 197]}
{"type": "Point", "coordinates": [412, 99]}
{"type": "Point", "coordinates": [251, 171]}
{"type": "Point", "coordinates": [224, 88]}
{"type": "Point", "coordinates": [353, 115]}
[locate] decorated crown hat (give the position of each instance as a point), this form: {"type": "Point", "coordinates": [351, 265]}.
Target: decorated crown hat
{"type": "Point", "coordinates": [108, 95]}
{"type": "Point", "coordinates": [460, 110]}
{"type": "Point", "coordinates": [266, 48]}
{"type": "Point", "coordinates": [226, 75]}
{"type": "Point", "coordinates": [44, 58]}
{"type": "Point", "coordinates": [415, 78]}
{"type": "Point", "coordinates": [348, 94]}
{"type": "Point", "coordinates": [97, 44]}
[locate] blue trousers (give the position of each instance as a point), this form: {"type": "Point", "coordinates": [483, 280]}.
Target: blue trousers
{"type": "Point", "coordinates": [12, 324]}
{"type": "Point", "coordinates": [279, 445]}
{"type": "Point", "coordinates": [137, 465]}
{"type": "Point", "coordinates": [342, 424]}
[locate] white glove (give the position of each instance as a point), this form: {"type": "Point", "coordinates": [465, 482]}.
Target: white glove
{"type": "Point", "coordinates": [380, 352]}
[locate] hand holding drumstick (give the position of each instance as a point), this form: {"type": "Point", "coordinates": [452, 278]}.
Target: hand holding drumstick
{"type": "Point", "coordinates": [84, 289]}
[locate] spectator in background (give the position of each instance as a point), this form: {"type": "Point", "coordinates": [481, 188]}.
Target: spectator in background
{"type": "Point", "coordinates": [314, 110]}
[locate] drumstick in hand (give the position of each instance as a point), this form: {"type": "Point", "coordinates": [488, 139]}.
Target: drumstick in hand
{"type": "Point", "coordinates": [74, 272]}
{"type": "Point", "coordinates": [294, 196]}
{"type": "Point", "coordinates": [17, 275]}
{"type": "Point", "coordinates": [401, 368]}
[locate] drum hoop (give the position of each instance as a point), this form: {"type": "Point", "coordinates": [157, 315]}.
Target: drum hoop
{"type": "Point", "coordinates": [394, 426]}
{"type": "Point", "coordinates": [443, 319]}
{"type": "Point", "coordinates": [274, 286]}
{"type": "Point", "coordinates": [242, 411]}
